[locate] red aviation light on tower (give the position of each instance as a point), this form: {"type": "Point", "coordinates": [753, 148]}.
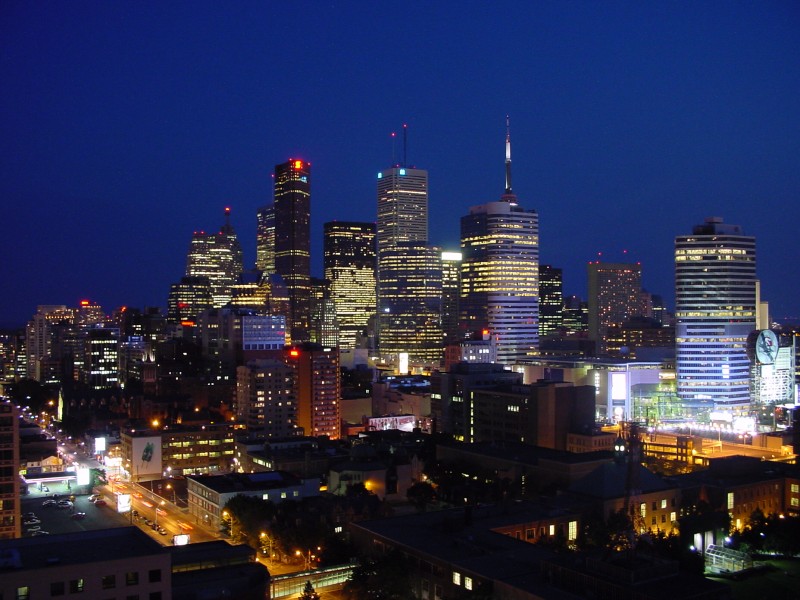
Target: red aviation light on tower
{"type": "Point", "coordinates": [294, 353]}
{"type": "Point", "coordinates": [85, 303]}
{"type": "Point", "coordinates": [298, 164]}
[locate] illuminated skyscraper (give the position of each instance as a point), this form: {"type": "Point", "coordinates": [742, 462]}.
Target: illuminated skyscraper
{"type": "Point", "coordinates": [411, 301]}
{"type": "Point", "coordinates": [551, 300]}
{"type": "Point", "coordinates": [265, 239]}
{"type": "Point", "coordinates": [409, 271]}
{"type": "Point", "coordinates": [324, 328]}
{"type": "Point", "coordinates": [217, 256]}
{"type": "Point", "coordinates": [350, 262]}
{"type": "Point", "coordinates": [188, 299]}
{"type": "Point", "coordinates": [715, 297]}
{"type": "Point", "coordinates": [293, 241]}
{"type": "Point", "coordinates": [402, 207]}
{"type": "Point", "coordinates": [500, 273]}
{"type": "Point", "coordinates": [451, 288]}
{"type": "Point", "coordinates": [615, 296]}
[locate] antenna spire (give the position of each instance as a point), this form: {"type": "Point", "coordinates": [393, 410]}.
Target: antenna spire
{"type": "Point", "coordinates": [508, 156]}
{"type": "Point", "coordinates": [405, 143]}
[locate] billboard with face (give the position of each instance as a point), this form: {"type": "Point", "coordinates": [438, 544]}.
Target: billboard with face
{"type": "Point", "coordinates": [146, 456]}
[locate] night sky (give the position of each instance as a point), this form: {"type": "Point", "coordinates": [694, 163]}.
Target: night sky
{"type": "Point", "coordinates": [124, 127]}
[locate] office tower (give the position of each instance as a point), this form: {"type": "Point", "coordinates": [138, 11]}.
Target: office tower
{"type": "Point", "coordinates": [410, 302]}
{"type": "Point", "coordinates": [101, 359]}
{"type": "Point", "coordinates": [715, 298]}
{"type": "Point", "coordinates": [576, 316]}
{"type": "Point", "coordinates": [350, 263]}
{"type": "Point", "coordinates": [265, 239]}
{"type": "Point", "coordinates": [614, 297]}
{"type": "Point", "coordinates": [402, 207]}
{"type": "Point", "coordinates": [451, 289]}
{"type": "Point", "coordinates": [188, 299]}
{"type": "Point", "coordinates": [292, 208]}
{"type": "Point", "coordinates": [500, 273]}
{"type": "Point", "coordinates": [266, 399]}
{"type": "Point", "coordinates": [409, 271]}
{"type": "Point", "coordinates": [10, 505]}
{"type": "Point", "coordinates": [251, 292]}
{"type": "Point", "coordinates": [551, 301]}
{"type": "Point", "coordinates": [323, 328]}
{"type": "Point", "coordinates": [217, 256]}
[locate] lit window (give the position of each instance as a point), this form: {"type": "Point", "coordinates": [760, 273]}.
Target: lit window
{"type": "Point", "coordinates": [664, 503]}
{"type": "Point", "coordinates": [468, 582]}
{"type": "Point", "coordinates": [552, 529]}
{"type": "Point", "coordinates": [456, 578]}
{"type": "Point", "coordinates": [573, 531]}
{"type": "Point", "coordinates": [730, 500]}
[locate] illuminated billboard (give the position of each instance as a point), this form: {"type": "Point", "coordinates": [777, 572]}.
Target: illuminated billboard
{"type": "Point", "coordinates": [401, 422]}
{"type": "Point", "coordinates": [99, 444]}
{"type": "Point", "coordinates": [180, 539]}
{"type": "Point", "coordinates": [84, 476]}
{"type": "Point", "coordinates": [146, 456]}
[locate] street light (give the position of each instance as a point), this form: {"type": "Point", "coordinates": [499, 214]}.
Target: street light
{"type": "Point", "coordinates": [307, 558]}
{"type": "Point", "coordinates": [170, 487]}
{"type": "Point", "coordinates": [266, 544]}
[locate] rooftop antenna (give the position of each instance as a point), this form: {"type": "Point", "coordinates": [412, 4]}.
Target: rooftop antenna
{"type": "Point", "coordinates": [508, 196]}
{"type": "Point", "coordinates": [508, 156]}
{"type": "Point", "coordinates": [405, 143]}
{"type": "Point", "coordinates": [394, 138]}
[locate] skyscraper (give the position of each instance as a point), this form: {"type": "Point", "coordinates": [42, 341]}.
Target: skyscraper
{"type": "Point", "coordinates": [551, 300]}
{"type": "Point", "coordinates": [409, 271]}
{"type": "Point", "coordinates": [217, 256]}
{"type": "Point", "coordinates": [615, 291]}
{"type": "Point", "coordinates": [350, 263]}
{"type": "Point", "coordinates": [715, 297]}
{"type": "Point", "coordinates": [451, 289]}
{"type": "Point", "coordinates": [292, 208]}
{"type": "Point", "coordinates": [500, 273]}
{"type": "Point", "coordinates": [410, 302]}
{"type": "Point", "coordinates": [265, 239]}
{"type": "Point", "coordinates": [402, 206]}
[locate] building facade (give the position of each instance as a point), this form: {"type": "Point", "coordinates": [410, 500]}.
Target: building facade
{"type": "Point", "coordinates": [715, 298]}
{"type": "Point", "coordinates": [614, 297]}
{"type": "Point", "coordinates": [292, 209]}
{"type": "Point", "coordinates": [350, 262]}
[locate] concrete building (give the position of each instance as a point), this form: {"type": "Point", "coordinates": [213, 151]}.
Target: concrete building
{"type": "Point", "coordinates": [615, 291]}
{"type": "Point", "coordinates": [10, 517]}
{"type": "Point", "coordinates": [266, 400]}
{"type": "Point", "coordinates": [208, 494]}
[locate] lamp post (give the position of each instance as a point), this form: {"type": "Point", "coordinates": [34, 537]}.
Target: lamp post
{"type": "Point", "coordinates": [266, 544]}
{"type": "Point", "coordinates": [171, 487]}
{"type": "Point", "coordinates": [308, 558]}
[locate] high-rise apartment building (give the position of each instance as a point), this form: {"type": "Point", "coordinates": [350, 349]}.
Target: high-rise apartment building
{"type": "Point", "coordinates": [188, 299]}
{"type": "Point", "coordinates": [217, 256]}
{"type": "Point", "coordinates": [319, 389]}
{"type": "Point", "coordinates": [500, 273]}
{"type": "Point", "coordinates": [715, 297]}
{"type": "Point", "coordinates": [551, 300]}
{"type": "Point", "coordinates": [292, 209]}
{"type": "Point", "coordinates": [266, 398]}
{"type": "Point", "coordinates": [323, 324]}
{"type": "Point", "coordinates": [265, 239]}
{"type": "Point", "coordinates": [101, 358]}
{"type": "Point", "coordinates": [350, 263]}
{"type": "Point", "coordinates": [10, 514]}
{"type": "Point", "coordinates": [614, 297]}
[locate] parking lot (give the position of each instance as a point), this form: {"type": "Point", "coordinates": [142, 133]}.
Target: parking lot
{"type": "Point", "coordinates": [62, 519]}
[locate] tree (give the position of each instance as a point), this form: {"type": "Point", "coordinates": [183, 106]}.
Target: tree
{"type": "Point", "coordinates": [421, 494]}
{"type": "Point", "coordinates": [383, 579]}
{"type": "Point", "coordinates": [309, 593]}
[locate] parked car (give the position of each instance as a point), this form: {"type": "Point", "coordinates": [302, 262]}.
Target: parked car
{"type": "Point", "coordinates": [100, 502]}
{"type": "Point", "coordinates": [40, 532]}
{"type": "Point", "coordinates": [162, 531]}
{"type": "Point", "coordinates": [94, 497]}
{"type": "Point", "coordinates": [29, 515]}
{"type": "Point", "coordinates": [33, 528]}
{"type": "Point", "coordinates": [64, 504]}
{"type": "Point", "coordinates": [31, 522]}
{"type": "Point", "coordinates": [79, 515]}
{"type": "Point", "coordinates": [49, 502]}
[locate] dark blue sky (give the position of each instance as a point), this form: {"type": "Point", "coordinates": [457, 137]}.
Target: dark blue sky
{"type": "Point", "coordinates": [126, 126]}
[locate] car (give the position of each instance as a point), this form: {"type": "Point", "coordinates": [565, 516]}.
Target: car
{"type": "Point", "coordinates": [100, 502]}
{"type": "Point", "coordinates": [29, 515]}
{"type": "Point", "coordinates": [45, 488]}
{"type": "Point", "coordinates": [49, 502]}
{"type": "Point", "coordinates": [162, 531]}
{"type": "Point", "coordinates": [31, 522]}
{"type": "Point", "coordinates": [64, 504]}
{"type": "Point", "coordinates": [94, 497]}
{"type": "Point", "coordinates": [33, 528]}
{"type": "Point", "coordinates": [135, 512]}
{"type": "Point", "coordinates": [40, 532]}
{"type": "Point", "coordinates": [78, 515]}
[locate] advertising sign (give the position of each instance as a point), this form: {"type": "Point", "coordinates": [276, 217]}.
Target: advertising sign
{"type": "Point", "coordinates": [180, 539]}
{"type": "Point", "coordinates": [146, 456]}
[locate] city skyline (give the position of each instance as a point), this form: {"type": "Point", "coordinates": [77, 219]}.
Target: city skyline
{"type": "Point", "coordinates": [126, 129]}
